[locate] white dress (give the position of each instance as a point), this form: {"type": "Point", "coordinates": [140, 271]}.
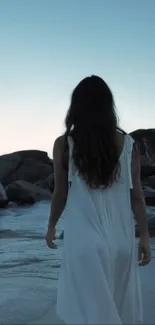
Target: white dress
{"type": "Point", "coordinates": [99, 280]}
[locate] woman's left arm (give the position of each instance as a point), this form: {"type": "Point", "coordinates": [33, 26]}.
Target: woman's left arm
{"type": "Point", "coordinates": [60, 193]}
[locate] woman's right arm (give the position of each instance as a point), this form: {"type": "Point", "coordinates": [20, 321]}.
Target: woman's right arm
{"type": "Point", "coordinates": [139, 209]}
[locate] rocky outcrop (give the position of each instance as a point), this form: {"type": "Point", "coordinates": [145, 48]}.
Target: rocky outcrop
{"type": "Point", "coordinates": [47, 183]}
{"type": "Point", "coordinates": [61, 236]}
{"type": "Point", "coordinates": [150, 181]}
{"type": "Point", "coordinates": [30, 166]}
{"type": "Point", "coordinates": [149, 194]}
{"type": "Point", "coordinates": [146, 143]}
{"type": "Point", "coordinates": [145, 140]}
{"type": "Point", "coordinates": [8, 165]}
{"type": "Point", "coordinates": [35, 167]}
{"type": "Point", "coordinates": [3, 197]}
{"type": "Point", "coordinates": [151, 222]}
{"type": "Point", "coordinates": [23, 192]}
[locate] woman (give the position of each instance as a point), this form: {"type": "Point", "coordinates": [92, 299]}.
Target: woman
{"type": "Point", "coordinates": [98, 281]}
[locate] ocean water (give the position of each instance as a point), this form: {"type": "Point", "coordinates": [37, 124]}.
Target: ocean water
{"type": "Point", "coordinates": [29, 269]}
{"type": "Point", "coordinates": [23, 251]}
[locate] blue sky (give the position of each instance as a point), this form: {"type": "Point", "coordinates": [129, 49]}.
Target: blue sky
{"type": "Point", "coordinates": [48, 46]}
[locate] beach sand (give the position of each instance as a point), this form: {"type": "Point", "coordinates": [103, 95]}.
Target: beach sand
{"type": "Point", "coordinates": [33, 301]}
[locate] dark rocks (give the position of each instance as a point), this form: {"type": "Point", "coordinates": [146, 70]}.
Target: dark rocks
{"type": "Point", "coordinates": [31, 171]}
{"type": "Point", "coordinates": [151, 230]}
{"type": "Point", "coordinates": [150, 181]}
{"type": "Point", "coordinates": [3, 204]}
{"type": "Point", "coordinates": [146, 143]}
{"type": "Point", "coordinates": [151, 222]}
{"type": "Point", "coordinates": [23, 192]}
{"type": "Point", "coordinates": [61, 237]}
{"type": "Point", "coordinates": [29, 165]}
{"type": "Point", "coordinates": [149, 194]}
{"type": "Point", "coordinates": [35, 168]}
{"type": "Point", "coordinates": [145, 140]}
{"type": "Point", "coordinates": [8, 165]}
{"type": "Point", "coordinates": [3, 197]}
{"type": "Point", "coordinates": [20, 171]}
{"type": "Point", "coordinates": [47, 183]}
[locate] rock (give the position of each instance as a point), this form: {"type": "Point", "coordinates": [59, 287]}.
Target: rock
{"type": "Point", "coordinates": [47, 183]}
{"type": "Point", "coordinates": [146, 142]}
{"type": "Point", "coordinates": [28, 165]}
{"type": "Point", "coordinates": [12, 205]}
{"type": "Point", "coordinates": [150, 181]}
{"type": "Point", "coordinates": [3, 204]}
{"type": "Point", "coordinates": [8, 165]}
{"type": "Point", "coordinates": [23, 192]}
{"type": "Point", "coordinates": [149, 194]}
{"type": "Point", "coordinates": [151, 231]}
{"type": "Point", "coordinates": [31, 171]}
{"type": "Point", "coordinates": [61, 237]}
{"type": "Point", "coordinates": [147, 171]}
{"type": "Point", "coordinates": [150, 200]}
{"type": "Point", "coordinates": [31, 166]}
{"type": "Point", "coordinates": [3, 197]}
{"type": "Point", "coordinates": [151, 222]}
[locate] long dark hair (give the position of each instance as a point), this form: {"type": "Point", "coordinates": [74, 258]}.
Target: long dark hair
{"type": "Point", "coordinates": [91, 121]}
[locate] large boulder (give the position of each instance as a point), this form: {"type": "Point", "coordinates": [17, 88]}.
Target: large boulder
{"type": "Point", "coordinates": [28, 165]}
{"type": "Point", "coordinates": [149, 194]}
{"type": "Point", "coordinates": [151, 222]}
{"type": "Point", "coordinates": [31, 171]}
{"type": "Point", "coordinates": [19, 170]}
{"type": "Point", "coordinates": [146, 142]}
{"type": "Point", "coordinates": [150, 181]}
{"type": "Point", "coordinates": [47, 183]}
{"type": "Point", "coordinates": [8, 165]}
{"type": "Point", "coordinates": [23, 192]}
{"type": "Point", "coordinates": [3, 197]}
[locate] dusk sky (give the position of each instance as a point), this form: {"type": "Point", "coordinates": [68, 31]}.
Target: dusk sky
{"type": "Point", "coordinates": [48, 46]}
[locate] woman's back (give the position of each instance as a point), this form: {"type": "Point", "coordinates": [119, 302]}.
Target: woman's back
{"type": "Point", "coordinates": [99, 239]}
{"type": "Point", "coordinates": [113, 193]}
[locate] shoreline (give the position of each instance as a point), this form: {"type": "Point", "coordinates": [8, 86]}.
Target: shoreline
{"type": "Point", "coordinates": [34, 301]}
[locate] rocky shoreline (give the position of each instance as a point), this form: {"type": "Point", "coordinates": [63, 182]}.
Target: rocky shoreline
{"type": "Point", "coordinates": [27, 176]}
{"type": "Point", "coordinates": [145, 140]}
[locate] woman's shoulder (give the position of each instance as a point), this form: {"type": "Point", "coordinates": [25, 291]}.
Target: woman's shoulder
{"type": "Point", "coordinates": [124, 142]}
{"type": "Point", "coordinates": [122, 136]}
{"type": "Point", "coordinates": [60, 143]}
{"type": "Point", "coordinates": [60, 150]}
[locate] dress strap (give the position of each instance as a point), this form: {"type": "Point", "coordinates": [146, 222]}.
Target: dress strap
{"type": "Point", "coordinates": [70, 163]}
{"type": "Point", "coordinates": [129, 147]}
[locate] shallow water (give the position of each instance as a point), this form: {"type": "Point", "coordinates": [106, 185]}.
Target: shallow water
{"type": "Point", "coordinates": [29, 270]}
{"type": "Point", "coordinates": [23, 252]}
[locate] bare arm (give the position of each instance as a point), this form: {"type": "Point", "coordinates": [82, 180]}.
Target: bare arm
{"type": "Point", "coordinates": [137, 195]}
{"type": "Point", "coordinates": [59, 197]}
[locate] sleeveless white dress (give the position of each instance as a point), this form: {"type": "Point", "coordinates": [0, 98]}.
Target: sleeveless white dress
{"type": "Point", "coordinates": [99, 280]}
